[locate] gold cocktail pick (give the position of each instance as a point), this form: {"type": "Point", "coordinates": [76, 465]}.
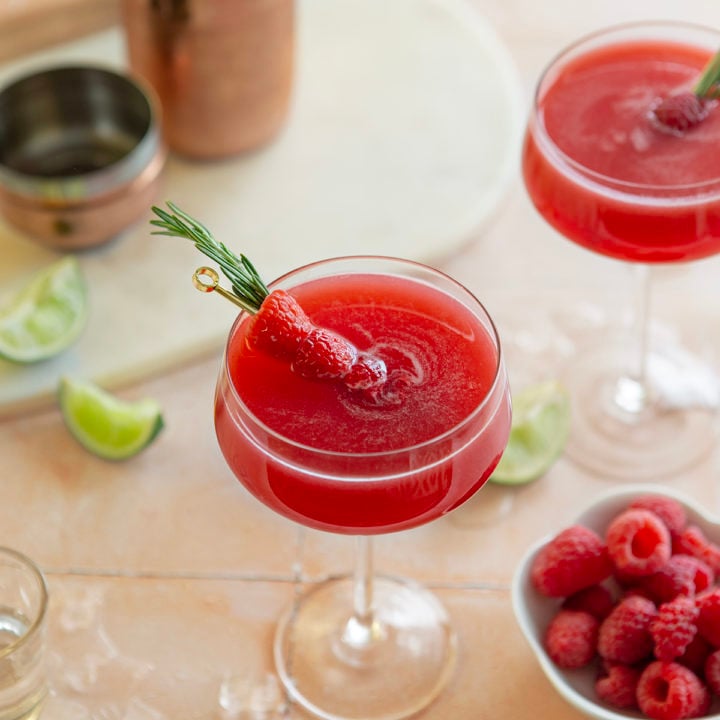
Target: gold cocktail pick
{"type": "Point", "coordinates": [211, 284]}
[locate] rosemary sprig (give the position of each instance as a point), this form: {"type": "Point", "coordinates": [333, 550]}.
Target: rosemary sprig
{"type": "Point", "coordinates": [707, 84]}
{"type": "Point", "coordinates": [246, 282]}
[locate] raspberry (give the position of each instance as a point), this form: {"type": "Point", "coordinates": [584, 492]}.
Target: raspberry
{"type": "Point", "coordinates": [596, 600]}
{"type": "Point", "coordinates": [708, 621]}
{"type": "Point", "coordinates": [712, 671]}
{"type": "Point", "coordinates": [367, 372]}
{"type": "Point", "coordinates": [282, 329]}
{"type": "Point", "coordinates": [324, 355]}
{"type": "Point", "coordinates": [624, 635]}
{"type": "Point", "coordinates": [696, 654]}
{"type": "Point", "coordinates": [574, 559]}
{"type": "Point", "coordinates": [704, 576]}
{"type": "Point", "coordinates": [693, 542]}
{"type": "Point", "coordinates": [678, 113]}
{"type": "Point", "coordinates": [571, 638]}
{"type": "Point", "coordinates": [279, 326]}
{"type": "Point", "coordinates": [638, 542]}
{"type": "Point", "coordinates": [617, 687]}
{"type": "Point", "coordinates": [674, 628]}
{"type": "Point", "coordinates": [669, 691]}
{"type": "Point", "coordinates": [680, 575]}
{"type": "Point", "coordinates": [669, 510]}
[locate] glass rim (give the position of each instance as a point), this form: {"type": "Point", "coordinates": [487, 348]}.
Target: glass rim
{"type": "Point", "coordinates": [38, 620]}
{"type": "Point", "coordinates": [319, 452]}
{"type": "Point", "coordinates": [607, 182]}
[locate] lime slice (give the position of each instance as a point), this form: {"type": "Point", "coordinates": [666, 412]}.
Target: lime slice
{"type": "Point", "coordinates": [540, 427]}
{"type": "Point", "coordinates": [105, 425]}
{"type": "Point", "coordinates": [46, 316]}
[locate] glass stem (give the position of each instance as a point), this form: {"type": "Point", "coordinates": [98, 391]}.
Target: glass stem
{"type": "Point", "coordinates": [631, 392]}
{"type": "Point", "coordinates": [363, 580]}
{"type": "Point", "coordinates": [362, 629]}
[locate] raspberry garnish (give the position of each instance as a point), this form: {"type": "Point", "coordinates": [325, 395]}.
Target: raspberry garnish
{"type": "Point", "coordinates": [279, 326]}
{"type": "Point", "coordinates": [574, 559]}
{"type": "Point", "coordinates": [683, 110]}
{"type": "Point", "coordinates": [674, 627]}
{"type": "Point", "coordinates": [571, 638]}
{"type": "Point", "coordinates": [324, 355]}
{"type": "Point", "coordinates": [678, 113]}
{"type": "Point", "coordinates": [617, 686]}
{"type": "Point", "coordinates": [624, 635]}
{"type": "Point", "coordinates": [638, 542]}
{"type": "Point", "coordinates": [367, 372]}
{"type": "Point", "coordinates": [670, 691]}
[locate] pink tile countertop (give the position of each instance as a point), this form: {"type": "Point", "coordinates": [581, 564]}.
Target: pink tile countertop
{"type": "Point", "coordinates": [166, 577]}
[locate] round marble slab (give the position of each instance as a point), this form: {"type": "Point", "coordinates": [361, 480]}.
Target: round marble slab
{"type": "Point", "coordinates": [402, 140]}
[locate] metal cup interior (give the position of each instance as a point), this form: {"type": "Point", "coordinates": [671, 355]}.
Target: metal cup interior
{"type": "Point", "coordinates": [74, 132]}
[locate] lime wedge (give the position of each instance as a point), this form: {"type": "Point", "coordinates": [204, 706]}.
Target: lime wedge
{"type": "Point", "coordinates": [105, 425]}
{"type": "Point", "coordinates": [46, 316]}
{"type": "Point", "coordinates": [540, 427]}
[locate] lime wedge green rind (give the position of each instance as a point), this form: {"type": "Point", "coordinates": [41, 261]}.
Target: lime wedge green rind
{"type": "Point", "coordinates": [539, 431]}
{"type": "Point", "coordinates": [47, 315]}
{"type": "Point", "coordinates": [105, 425]}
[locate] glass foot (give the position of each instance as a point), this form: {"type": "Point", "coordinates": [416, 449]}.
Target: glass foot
{"type": "Point", "coordinates": [390, 668]}
{"type": "Point", "coordinates": [627, 431]}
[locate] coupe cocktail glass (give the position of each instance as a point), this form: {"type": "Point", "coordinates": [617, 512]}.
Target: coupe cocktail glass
{"type": "Point", "coordinates": [603, 173]}
{"type": "Point", "coordinates": [367, 646]}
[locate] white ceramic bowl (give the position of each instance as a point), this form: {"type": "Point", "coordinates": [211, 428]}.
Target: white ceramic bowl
{"type": "Point", "coordinates": [533, 611]}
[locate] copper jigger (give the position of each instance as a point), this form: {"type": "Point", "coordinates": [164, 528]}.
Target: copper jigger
{"type": "Point", "coordinates": [223, 69]}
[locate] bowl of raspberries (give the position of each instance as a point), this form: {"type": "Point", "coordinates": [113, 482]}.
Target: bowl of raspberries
{"type": "Point", "coordinates": [622, 607]}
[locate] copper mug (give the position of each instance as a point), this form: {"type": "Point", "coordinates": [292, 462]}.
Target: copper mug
{"type": "Point", "coordinates": [223, 69]}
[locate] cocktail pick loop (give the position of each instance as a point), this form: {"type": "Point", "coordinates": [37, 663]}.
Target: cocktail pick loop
{"type": "Point", "coordinates": [211, 284]}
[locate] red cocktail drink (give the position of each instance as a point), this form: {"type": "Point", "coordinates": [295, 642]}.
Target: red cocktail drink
{"type": "Point", "coordinates": [601, 172]}
{"type": "Point", "coordinates": [341, 460]}
{"type": "Point", "coordinates": [348, 460]}
{"type": "Point", "coordinates": [603, 167]}
{"type": "Point", "coordinates": [357, 395]}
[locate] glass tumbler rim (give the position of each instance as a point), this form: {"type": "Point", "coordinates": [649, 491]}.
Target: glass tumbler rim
{"type": "Point", "coordinates": [498, 376]}
{"type": "Point", "coordinates": [39, 618]}
{"type": "Point", "coordinates": [655, 193]}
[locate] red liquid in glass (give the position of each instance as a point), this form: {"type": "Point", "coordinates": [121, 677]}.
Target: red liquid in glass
{"type": "Point", "coordinates": [600, 172]}
{"type": "Point", "coordinates": [442, 365]}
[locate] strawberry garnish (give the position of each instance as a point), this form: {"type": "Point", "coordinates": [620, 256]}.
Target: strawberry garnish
{"type": "Point", "coordinates": [683, 110]}
{"type": "Point", "coordinates": [279, 326]}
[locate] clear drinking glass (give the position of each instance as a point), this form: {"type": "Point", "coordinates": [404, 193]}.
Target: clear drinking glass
{"type": "Point", "coordinates": [369, 646]}
{"type": "Point", "coordinates": [602, 173]}
{"type": "Point", "coordinates": [23, 607]}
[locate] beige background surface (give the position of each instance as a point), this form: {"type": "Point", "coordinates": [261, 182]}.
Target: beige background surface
{"type": "Point", "coordinates": [167, 577]}
{"type": "Point", "coordinates": [388, 149]}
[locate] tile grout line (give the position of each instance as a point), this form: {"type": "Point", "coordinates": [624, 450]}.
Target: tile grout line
{"type": "Point", "coordinates": [296, 578]}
